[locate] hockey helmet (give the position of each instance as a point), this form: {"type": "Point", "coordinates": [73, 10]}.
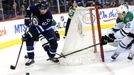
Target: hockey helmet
{"type": "Point", "coordinates": [122, 9]}
{"type": "Point", "coordinates": [43, 5]}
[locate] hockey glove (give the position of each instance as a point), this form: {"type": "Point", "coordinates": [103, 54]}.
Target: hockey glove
{"type": "Point", "coordinates": [27, 21]}
{"type": "Point", "coordinates": [112, 38]}
{"type": "Point", "coordinates": [26, 36]}
{"type": "Point", "coordinates": [57, 35]}
{"type": "Point", "coordinates": [103, 40]}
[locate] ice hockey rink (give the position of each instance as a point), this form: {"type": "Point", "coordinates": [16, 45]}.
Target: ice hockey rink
{"type": "Point", "coordinates": [8, 56]}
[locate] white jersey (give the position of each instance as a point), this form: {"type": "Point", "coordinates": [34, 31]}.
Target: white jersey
{"type": "Point", "coordinates": [126, 40]}
{"type": "Point", "coordinates": [128, 26]}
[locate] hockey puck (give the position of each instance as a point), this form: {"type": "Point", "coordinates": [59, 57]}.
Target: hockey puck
{"type": "Point", "coordinates": [27, 73]}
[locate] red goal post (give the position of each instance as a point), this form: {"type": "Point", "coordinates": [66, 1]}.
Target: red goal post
{"type": "Point", "coordinates": [84, 31]}
{"type": "Point", "coordinates": [99, 30]}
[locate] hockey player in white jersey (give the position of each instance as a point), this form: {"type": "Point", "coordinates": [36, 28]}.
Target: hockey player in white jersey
{"type": "Point", "coordinates": [110, 37]}
{"type": "Point", "coordinates": [125, 42]}
{"type": "Point", "coordinates": [126, 34]}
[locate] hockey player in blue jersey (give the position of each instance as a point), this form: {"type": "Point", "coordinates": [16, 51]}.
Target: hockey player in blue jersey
{"type": "Point", "coordinates": [39, 20]}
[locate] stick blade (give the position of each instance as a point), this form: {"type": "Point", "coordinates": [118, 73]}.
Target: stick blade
{"type": "Point", "coordinates": [12, 67]}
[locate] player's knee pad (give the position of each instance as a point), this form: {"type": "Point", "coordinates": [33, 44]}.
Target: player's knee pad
{"type": "Point", "coordinates": [45, 43]}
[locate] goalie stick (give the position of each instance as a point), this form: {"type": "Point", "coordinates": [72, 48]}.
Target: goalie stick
{"type": "Point", "coordinates": [63, 56]}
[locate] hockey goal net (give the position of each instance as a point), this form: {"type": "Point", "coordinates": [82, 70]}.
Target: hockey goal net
{"type": "Point", "coordinates": [84, 31]}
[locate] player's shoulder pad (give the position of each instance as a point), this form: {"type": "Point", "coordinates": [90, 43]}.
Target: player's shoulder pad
{"type": "Point", "coordinates": [129, 17]}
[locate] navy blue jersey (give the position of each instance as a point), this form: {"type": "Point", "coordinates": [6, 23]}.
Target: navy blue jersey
{"type": "Point", "coordinates": [44, 20]}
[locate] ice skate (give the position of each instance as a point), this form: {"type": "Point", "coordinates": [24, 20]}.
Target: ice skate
{"type": "Point", "coordinates": [130, 56]}
{"type": "Point", "coordinates": [29, 62]}
{"type": "Point", "coordinates": [114, 56]}
{"type": "Point", "coordinates": [56, 60]}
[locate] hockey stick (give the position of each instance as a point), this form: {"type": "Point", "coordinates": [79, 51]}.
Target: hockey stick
{"type": "Point", "coordinates": [63, 56]}
{"type": "Point", "coordinates": [13, 67]}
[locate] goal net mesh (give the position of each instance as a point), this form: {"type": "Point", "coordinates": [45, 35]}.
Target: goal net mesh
{"type": "Point", "coordinates": [80, 35]}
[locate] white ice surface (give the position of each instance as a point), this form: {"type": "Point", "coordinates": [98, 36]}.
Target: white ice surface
{"type": "Point", "coordinates": [8, 56]}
